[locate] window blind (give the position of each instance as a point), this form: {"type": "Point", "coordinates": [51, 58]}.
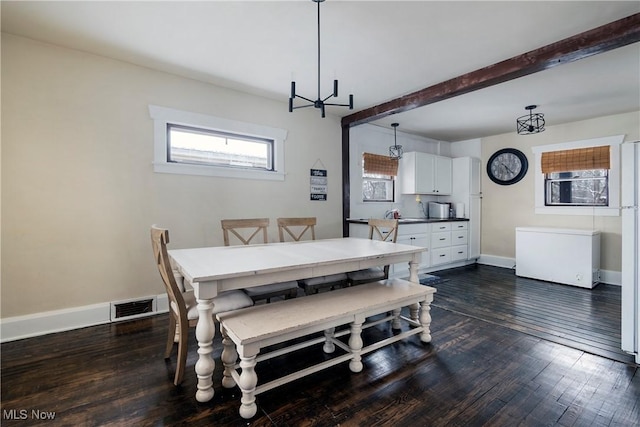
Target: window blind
{"type": "Point", "coordinates": [379, 165]}
{"type": "Point", "coordinates": [577, 159]}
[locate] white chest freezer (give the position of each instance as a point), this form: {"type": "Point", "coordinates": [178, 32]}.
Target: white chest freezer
{"type": "Point", "coordinates": [561, 255]}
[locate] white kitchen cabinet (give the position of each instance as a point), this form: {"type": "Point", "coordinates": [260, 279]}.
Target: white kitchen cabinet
{"type": "Point", "coordinates": [446, 242]}
{"type": "Point", "coordinates": [459, 241]}
{"type": "Point", "coordinates": [441, 240]}
{"type": "Point", "coordinates": [449, 242]}
{"type": "Point", "coordinates": [459, 253]}
{"type": "Point", "coordinates": [423, 173]}
{"type": "Point", "coordinates": [466, 194]}
{"type": "Point", "coordinates": [414, 235]}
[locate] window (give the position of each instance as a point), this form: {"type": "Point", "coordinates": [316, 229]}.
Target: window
{"type": "Point", "coordinates": [377, 188]}
{"type": "Point", "coordinates": [378, 178]}
{"type": "Point", "coordinates": [198, 144]}
{"type": "Point", "coordinates": [577, 188]}
{"type": "Point", "coordinates": [206, 147]}
{"type": "Point", "coordinates": [579, 177]}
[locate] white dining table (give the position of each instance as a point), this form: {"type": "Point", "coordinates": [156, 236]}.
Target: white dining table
{"type": "Point", "coordinates": [211, 270]}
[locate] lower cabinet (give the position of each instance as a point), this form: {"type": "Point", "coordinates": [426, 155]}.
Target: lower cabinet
{"type": "Point", "coordinates": [459, 241]}
{"type": "Point", "coordinates": [446, 243]}
{"type": "Point", "coordinates": [449, 242]}
{"type": "Point", "coordinates": [414, 235]}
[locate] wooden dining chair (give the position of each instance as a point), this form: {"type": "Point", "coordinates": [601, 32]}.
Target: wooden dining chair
{"type": "Point", "coordinates": [385, 230]}
{"type": "Point", "coordinates": [295, 229]}
{"type": "Point", "coordinates": [245, 230]}
{"type": "Point", "coordinates": [249, 231]}
{"type": "Point", "coordinates": [183, 313]}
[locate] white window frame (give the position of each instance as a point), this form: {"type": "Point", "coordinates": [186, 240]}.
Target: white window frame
{"type": "Point", "coordinates": [614, 178]}
{"type": "Point", "coordinates": [163, 116]}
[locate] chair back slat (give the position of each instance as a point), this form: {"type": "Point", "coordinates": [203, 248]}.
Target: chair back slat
{"type": "Point", "coordinates": [255, 226]}
{"type": "Point", "coordinates": [296, 228]}
{"type": "Point", "coordinates": [383, 229]}
{"type": "Point", "coordinates": [159, 241]}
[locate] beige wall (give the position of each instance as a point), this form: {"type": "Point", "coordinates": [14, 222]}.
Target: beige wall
{"type": "Point", "coordinates": [79, 192]}
{"type": "Point", "coordinates": [506, 207]}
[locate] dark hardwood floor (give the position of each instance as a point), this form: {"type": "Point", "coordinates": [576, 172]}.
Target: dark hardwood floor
{"type": "Point", "coordinates": [586, 319]}
{"type": "Point", "coordinates": [474, 373]}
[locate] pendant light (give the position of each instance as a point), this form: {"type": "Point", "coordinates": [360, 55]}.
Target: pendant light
{"type": "Point", "coordinates": [533, 123]}
{"type": "Point", "coordinates": [319, 102]}
{"type": "Point", "coordinates": [395, 151]}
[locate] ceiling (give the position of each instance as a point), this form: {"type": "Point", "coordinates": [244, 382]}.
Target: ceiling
{"type": "Point", "coordinates": [379, 50]}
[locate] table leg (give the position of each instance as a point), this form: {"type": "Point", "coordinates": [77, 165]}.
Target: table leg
{"type": "Point", "coordinates": [425, 319]}
{"type": "Point", "coordinates": [413, 269]}
{"type": "Point", "coordinates": [247, 383]}
{"type": "Point", "coordinates": [413, 277]}
{"type": "Point", "coordinates": [205, 365]}
{"type": "Point", "coordinates": [229, 357]}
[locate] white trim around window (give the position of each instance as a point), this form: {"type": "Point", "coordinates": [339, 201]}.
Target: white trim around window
{"type": "Point", "coordinates": [614, 178]}
{"type": "Point", "coordinates": [163, 116]}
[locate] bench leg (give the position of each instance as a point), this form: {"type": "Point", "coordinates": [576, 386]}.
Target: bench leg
{"type": "Point", "coordinates": [229, 357]}
{"type": "Point", "coordinates": [414, 310]}
{"type": "Point", "coordinates": [395, 323]}
{"type": "Point", "coordinates": [329, 346]}
{"type": "Point", "coordinates": [425, 320]}
{"type": "Point", "coordinates": [355, 345]}
{"type": "Point", "coordinates": [247, 384]}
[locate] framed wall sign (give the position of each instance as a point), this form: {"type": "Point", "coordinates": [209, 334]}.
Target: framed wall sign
{"type": "Point", "coordinates": [318, 183]}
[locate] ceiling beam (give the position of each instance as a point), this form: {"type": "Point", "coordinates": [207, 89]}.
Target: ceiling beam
{"type": "Point", "coordinates": [598, 40]}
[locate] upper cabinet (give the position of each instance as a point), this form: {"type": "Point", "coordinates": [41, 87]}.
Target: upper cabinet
{"type": "Point", "coordinates": [424, 173]}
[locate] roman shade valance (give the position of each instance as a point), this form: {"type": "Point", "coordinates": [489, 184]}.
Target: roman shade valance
{"type": "Point", "coordinates": [379, 165]}
{"type": "Point", "coordinates": [576, 159]}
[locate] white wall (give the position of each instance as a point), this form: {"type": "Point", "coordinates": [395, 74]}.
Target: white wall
{"type": "Point", "coordinates": [468, 148]}
{"type": "Point", "coordinates": [78, 188]}
{"type": "Point", "coordinates": [376, 139]}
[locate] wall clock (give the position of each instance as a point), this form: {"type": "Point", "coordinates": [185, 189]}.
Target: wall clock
{"type": "Point", "coordinates": [507, 166]}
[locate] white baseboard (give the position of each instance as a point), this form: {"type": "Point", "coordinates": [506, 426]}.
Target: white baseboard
{"type": "Point", "coordinates": [497, 261]}
{"type": "Point", "coordinates": [611, 277]}
{"type": "Point", "coordinates": [606, 276]}
{"type": "Point", "coordinates": [33, 325]}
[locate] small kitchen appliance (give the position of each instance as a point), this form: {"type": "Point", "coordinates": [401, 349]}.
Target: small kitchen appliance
{"type": "Point", "coordinates": [439, 210]}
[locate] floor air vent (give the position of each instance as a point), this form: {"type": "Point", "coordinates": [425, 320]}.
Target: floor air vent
{"type": "Point", "coordinates": [125, 310]}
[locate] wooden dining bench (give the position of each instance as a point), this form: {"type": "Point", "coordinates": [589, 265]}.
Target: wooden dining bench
{"type": "Point", "coordinates": [246, 331]}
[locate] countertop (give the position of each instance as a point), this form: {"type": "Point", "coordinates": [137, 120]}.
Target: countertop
{"type": "Point", "coordinates": [408, 220]}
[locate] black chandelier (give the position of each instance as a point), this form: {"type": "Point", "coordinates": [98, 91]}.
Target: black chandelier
{"type": "Point", "coordinates": [533, 123]}
{"type": "Point", "coordinates": [395, 151]}
{"type": "Point", "coordinates": [320, 102]}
